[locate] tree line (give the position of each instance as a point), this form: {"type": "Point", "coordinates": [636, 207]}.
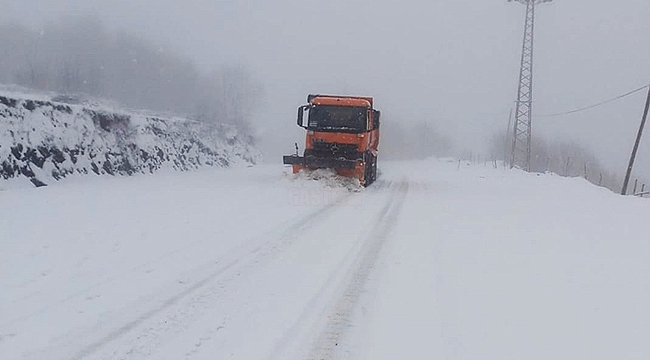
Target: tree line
{"type": "Point", "coordinates": [418, 140]}
{"type": "Point", "coordinates": [562, 157]}
{"type": "Point", "coordinates": [81, 56]}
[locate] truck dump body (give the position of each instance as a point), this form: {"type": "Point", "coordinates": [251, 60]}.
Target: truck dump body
{"type": "Point", "coordinates": [342, 134]}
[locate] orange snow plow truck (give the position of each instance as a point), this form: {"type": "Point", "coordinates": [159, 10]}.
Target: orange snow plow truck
{"type": "Point", "coordinates": [342, 134]}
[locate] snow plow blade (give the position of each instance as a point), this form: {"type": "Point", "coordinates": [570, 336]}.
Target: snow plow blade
{"type": "Point", "coordinates": [317, 163]}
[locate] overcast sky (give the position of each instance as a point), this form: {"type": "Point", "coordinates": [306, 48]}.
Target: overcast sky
{"type": "Point", "coordinates": [453, 63]}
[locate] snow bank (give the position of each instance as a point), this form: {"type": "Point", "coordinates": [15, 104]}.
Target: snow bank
{"type": "Point", "coordinates": [44, 141]}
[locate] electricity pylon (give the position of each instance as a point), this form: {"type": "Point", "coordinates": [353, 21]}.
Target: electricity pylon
{"type": "Point", "coordinates": [523, 114]}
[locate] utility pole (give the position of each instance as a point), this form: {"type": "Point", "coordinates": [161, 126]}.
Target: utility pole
{"type": "Point", "coordinates": [636, 145]}
{"type": "Point", "coordinates": [521, 148]}
{"type": "Point", "coordinates": [505, 145]}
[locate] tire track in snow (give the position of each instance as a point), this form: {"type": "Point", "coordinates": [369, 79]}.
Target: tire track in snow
{"type": "Point", "coordinates": [338, 317]}
{"type": "Point", "coordinates": [273, 242]}
{"type": "Point", "coordinates": [115, 278]}
{"type": "Point", "coordinates": [338, 297]}
{"type": "Point", "coordinates": [105, 281]}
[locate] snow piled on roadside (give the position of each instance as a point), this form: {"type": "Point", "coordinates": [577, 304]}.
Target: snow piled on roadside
{"type": "Point", "coordinates": [44, 141]}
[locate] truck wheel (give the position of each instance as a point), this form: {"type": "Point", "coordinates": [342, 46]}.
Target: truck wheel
{"type": "Point", "coordinates": [366, 169]}
{"type": "Point", "coordinates": [370, 171]}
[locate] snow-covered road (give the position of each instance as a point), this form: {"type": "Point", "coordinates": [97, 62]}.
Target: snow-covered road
{"type": "Point", "coordinates": [434, 261]}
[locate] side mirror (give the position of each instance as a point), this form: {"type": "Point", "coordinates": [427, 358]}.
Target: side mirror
{"type": "Point", "coordinates": [301, 115]}
{"type": "Point", "coordinates": [375, 119]}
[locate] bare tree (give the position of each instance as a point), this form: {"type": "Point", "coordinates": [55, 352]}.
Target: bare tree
{"type": "Point", "coordinates": [566, 158]}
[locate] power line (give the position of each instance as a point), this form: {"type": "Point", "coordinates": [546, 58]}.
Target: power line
{"type": "Point", "coordinates": [598, 104]}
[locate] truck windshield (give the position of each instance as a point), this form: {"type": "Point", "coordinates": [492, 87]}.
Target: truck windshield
{"type": "Point", "coordinates": [338, 118]}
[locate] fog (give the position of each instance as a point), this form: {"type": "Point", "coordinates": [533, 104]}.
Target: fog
{"type": "Point", "coordinates": [450, 64]}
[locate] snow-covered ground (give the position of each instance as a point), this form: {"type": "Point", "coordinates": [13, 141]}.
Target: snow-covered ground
{"type": "Point", "coordinates": [434, 261]}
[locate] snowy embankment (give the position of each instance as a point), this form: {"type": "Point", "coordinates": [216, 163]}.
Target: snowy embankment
{"type": "Point", "coordinates": [431, 262]}
{"type": "Point", "coordinates": [44, 141]}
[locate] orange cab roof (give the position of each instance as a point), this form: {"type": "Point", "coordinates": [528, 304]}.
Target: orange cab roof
{"type": "Point", "coordinates": [362, 101]}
